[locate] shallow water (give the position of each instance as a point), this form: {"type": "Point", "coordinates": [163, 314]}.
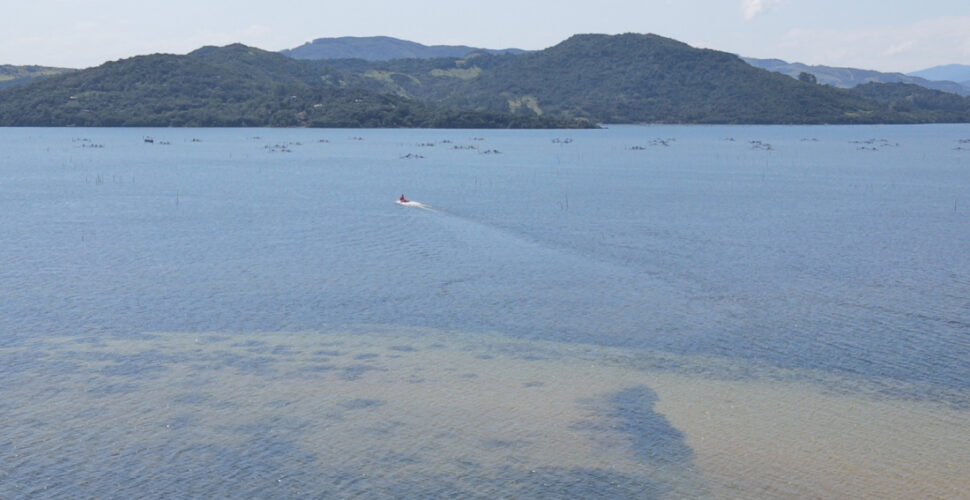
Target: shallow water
{"type": "Point", "coordinates": [582, 313]}
{"type": "Point", "coordinates": [426, 413]}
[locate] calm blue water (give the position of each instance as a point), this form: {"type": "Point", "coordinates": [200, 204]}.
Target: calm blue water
{"type": "Point", "coordinates": [816, 254]}
{"type": "Point", "coordinates": [837, 250]}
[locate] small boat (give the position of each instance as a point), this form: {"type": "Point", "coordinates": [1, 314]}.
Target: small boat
{"type": "Point", "coordinates": [407, 202]}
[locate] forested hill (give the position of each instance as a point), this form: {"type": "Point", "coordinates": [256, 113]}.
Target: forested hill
{"type": "Point", "coordinates": [381, 48]}
{"type": "Point", "coordinates": [587, 79]}
{"type": "Point", "coordinates": [11, 76]}
{"type": "Point", "coordinates": [228, 87]}
{"type": "Point", "coordinates": [916, 100]}
{"type": "Point", "coordinates": [629, 78]}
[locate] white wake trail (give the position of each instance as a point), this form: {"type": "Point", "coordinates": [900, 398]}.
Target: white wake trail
{"type": "Point", "coordinates": [416, 204]}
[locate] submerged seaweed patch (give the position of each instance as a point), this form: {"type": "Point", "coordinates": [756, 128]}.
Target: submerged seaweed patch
{"type": "Point", "coordinates": [650, 435]}
{"type": "Point", "coordinates": [654, 438]}
{"type": "Point", "coordinates": [355, 372]}
{"type": "Point", "coordinates": [359, 404]}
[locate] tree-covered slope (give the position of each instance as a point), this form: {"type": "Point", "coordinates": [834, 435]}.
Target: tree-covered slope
{"type": "Point", "coordinates": [917, 101]}
{"type": "Point", "coordinates": [588, 78]}
{"type": "Point", "coordinates": [627, 78]}
{"type": "Point", "coordinates": [11, 76]}
{"type": "Point", "coordinates": [647, 78]}
{"type": "Point", "coordinates": [379, 48]}
{"type": "Point", "coordinates": [229, 86]}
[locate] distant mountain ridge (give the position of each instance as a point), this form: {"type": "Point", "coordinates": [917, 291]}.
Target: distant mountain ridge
{"type": "Point", "coordinates": [851, 77]}
{"type": "Point", "coordinates": [951, 72]}
{"type": "Point", "coordinates": [381, 48]}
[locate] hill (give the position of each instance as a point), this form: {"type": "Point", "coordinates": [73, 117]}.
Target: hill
{"type": "Point", "coordinates": [951, 72]}
{"type": "Point", "coordinates": [585, 80]}
{"type": "Point", "coordinates": [11, 76]}
{"type": "Point", "coordinates": [227, 87]}
{"type": "Point", "coordinates": [850, 77]}
{"type": "Point", "coordinates": [917, 100]}
{"type": "Point", "coordinates": [380, 48]}
{"type": "Point", "coordinates": [629, 78]}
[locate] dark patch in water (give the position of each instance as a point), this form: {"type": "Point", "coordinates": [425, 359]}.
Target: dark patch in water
{"type": "Point", "coordinates": [224, 405]}
{"type": "Point", "coordinates": [328, 353]}
{"type": "Point", "coordinates": [143, 336]}
{"type": "Point", "coordinates": [499, 444]}
{"type": "Point", "coordinates": [359, 404]}
{"type": "Point", "coordinates": [279, 403]}
{"type": "Point", "coordinates": [92, 412]}
{"type": "Point", "coordinates": [278, 426]}
{"type": "Point", "coordinates": [316, 369]}
{"type": "Point", "coordinates": [138, 364]}
{"type": "Point", "coordinates": [535, 383]}
{"type": "Point", "coordinates": [383, 429]}
{"type": "Point", "coordinates": [254, 365]}
{"type": "Point", "coordinates": [196, 380]}
{"type": "Point", "coordinates": [191, 398]}
{"type": "Point", "coordinates": [113, 389]}
{"type": "Point", "coordinates": [355, 372]}
{"type": "Point", "coordinates": [366, 355]}
{"type": "Point", "coordinates": [250, 343]}
{"type": "Point", "coordinates": [281, 350]}
{"type": "Point", "coordinates": [653, 438]}
{"type": "Point", "coordinates": [403, 348]}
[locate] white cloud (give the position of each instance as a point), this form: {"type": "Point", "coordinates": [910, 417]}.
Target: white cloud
{"type": "Point", "coordinates": [898, 48]}
{"type": "Point", "coordinates": [752, 8]}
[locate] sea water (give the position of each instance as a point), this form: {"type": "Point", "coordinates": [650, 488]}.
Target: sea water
{"type": "Point", "coordinates": [649, 312]}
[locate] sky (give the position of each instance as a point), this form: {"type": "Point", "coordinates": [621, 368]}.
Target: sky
{"type": "Point", "coordinates": [885, 35]}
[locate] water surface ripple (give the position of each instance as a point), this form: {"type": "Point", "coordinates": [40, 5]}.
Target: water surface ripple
{"type": "Point", "coordinates": [837, 258]}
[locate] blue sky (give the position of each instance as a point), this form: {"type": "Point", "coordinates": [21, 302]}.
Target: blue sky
{"type": "Point", "coordinates": [886, 35]}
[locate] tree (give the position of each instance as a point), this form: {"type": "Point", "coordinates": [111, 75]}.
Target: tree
{"type": "Point", "coordinates": [807, 77]}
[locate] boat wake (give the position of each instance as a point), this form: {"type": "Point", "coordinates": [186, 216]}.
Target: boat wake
{"type": "Point", "coordinates": [412, 203]}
